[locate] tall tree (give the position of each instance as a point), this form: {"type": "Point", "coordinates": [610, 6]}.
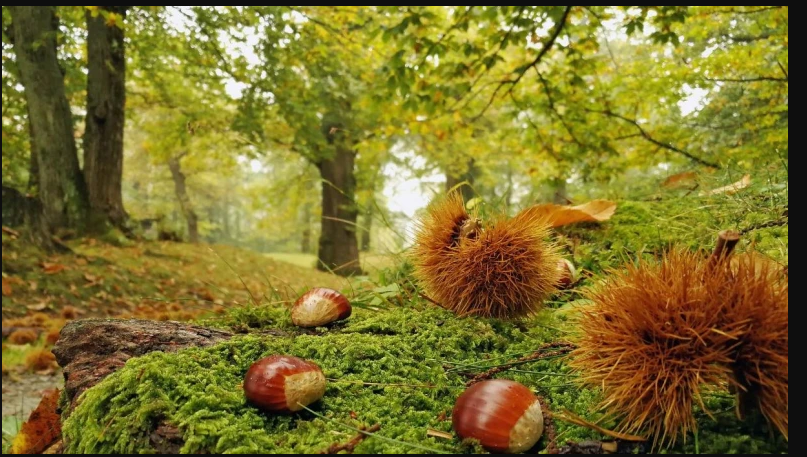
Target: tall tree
{"type": "Point", "coordinates": [106, 99]}
{"type": "Point", "coordinates": [60, 185]}
{"type": "Point", "coordinates": [182, 196]}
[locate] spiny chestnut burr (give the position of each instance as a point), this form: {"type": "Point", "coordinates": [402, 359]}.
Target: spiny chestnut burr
{"type": "Point", "coordinates": [503, 415]}
{"type": "Point", "coordinates": [282, 383]}
{"type": "Point", "coordinates": [568, 274]}
{"type": "Point", "coordinates": [320, 306]}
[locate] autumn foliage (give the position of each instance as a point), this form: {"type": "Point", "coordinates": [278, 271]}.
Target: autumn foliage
{"type": "Point", "coordinates": [660, 334]}
{"type": "Point", "coordinates": [504, 268]}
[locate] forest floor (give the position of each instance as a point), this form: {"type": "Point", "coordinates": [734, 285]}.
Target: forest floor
{"type": "Point", "coordinates": [381, 342]}
{"type": "Point", "coordinates": [152, 280]}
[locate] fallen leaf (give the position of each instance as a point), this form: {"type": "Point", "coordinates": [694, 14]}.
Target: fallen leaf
{"type": "Point", "coordinates": [42, 428]}
{"type": "Point", "coordinates": [52, 268]}
{"type": "Point", "coordinates": [90, 278]}
{"type": "Point", "coordinates": [439, 434]}
{"type": "Point", "coordinates": [81, 261]}
{"type": "Point", "coordinates": [6, 287]}
{"type": "Point", "coordinates": [680, 179]}
{"type": "Point", "coordinates": [38, 307]}
{"type": "Point", "coordinates": [32, 285]}
{"type": "Point", "coordinates": [11, 231]}
{"type": "Point", "coordinates": [557, 215]}
{"type": "Point", "coordinates": [731, 188]}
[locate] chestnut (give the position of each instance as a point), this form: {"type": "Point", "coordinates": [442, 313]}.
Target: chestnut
{"type": "Point", "coordinates": [568, 274]}
{"type": "Point", "coordinates": [505, 416]}
{"type": "Point", "coordinates": [320, 306]}
{"type": "Point", "coordinates": [282, 383]}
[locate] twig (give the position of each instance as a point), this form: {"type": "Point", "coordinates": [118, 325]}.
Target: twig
{"type": "Point", "coordinates": [335, 448]}
{"type": "Point", "coordinates": [367, 432]}
{"type": "Point", "coordinates": [726, 242]}
{"type": "Point", "coordinates": [422, 295]}
{"type": "Point", "coordinates": [562, 349]}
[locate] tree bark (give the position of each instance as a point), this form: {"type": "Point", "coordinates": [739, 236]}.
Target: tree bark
{"type": "Point", "coordinates": [365, 228]}
{"type": "Point", "coordinates": [89, 350]}
{"type": "Point", "coordinates": [60, 184]}
{"type": "Point", "coordinates": [466, 190]}
{"type": "Point", "coordinates": [338, 244]}
{"type": "Point", "coordinates": [225, 218]}
{"type": "Point", "coordinates": [305, 242]}
{"type": "Point", "coordinates": [184, 201]}
{"type": "Point", "coordinates": [106, 98]}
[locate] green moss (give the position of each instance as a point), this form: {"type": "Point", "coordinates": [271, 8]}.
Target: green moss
{"type": "Point", "coordinates": [415, 357]}
{"type": "Point", "coordinates": [416, 354]}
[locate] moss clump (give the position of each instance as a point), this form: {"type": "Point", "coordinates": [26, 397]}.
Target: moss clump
{"type": "Point", "coordinates": [415, 355]}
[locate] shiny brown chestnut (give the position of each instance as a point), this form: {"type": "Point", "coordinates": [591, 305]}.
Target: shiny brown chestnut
{"type": "Point", "coordinates": [282, 383]}
{"type": "Point", "coordinates": [503, 415]}
{"type": "Point", "coordinates": [320, 306]}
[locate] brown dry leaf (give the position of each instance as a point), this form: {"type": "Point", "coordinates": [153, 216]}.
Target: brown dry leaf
{"type": "Point", "coordinates": [680, 179]}
{"type": "Point", "coordinates": [731, 188]}
{"type": "Point", "coordinates": [90, 278]}
{"type": "Point", "coordinates": [32, 285]}
{"type": "Point", "coordinates": [42, 428]}
{"type": "Point", "coordinates": [81, 261]}
{"type": "Point", "coordinates": [11, 231]}
{"type": "Point", "coordinates": [557, 215]}
{"type": "Point", "coordinates": [6, 287]}
{"type": "Point", "coordinates": [439, 434]}
{"type": "Point", "coordinates": [52, 268]}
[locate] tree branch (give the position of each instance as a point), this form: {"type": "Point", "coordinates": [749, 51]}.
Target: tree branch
{"type": "Point", "coordinates": [747, 80]}
{"type": "Point", "coordinates": [566, 126]}
{"type": "Point", "coordinates": [547, 46]}
{"type": "Point", "coordinates": [649, 138]}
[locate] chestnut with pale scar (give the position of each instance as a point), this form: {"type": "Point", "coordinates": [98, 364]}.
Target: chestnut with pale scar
{"type": "Point", "coordinates": [281, 383]}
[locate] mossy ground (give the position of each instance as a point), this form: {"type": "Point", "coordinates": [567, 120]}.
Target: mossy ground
{"type": "Point", "coordinates": [400, 365]}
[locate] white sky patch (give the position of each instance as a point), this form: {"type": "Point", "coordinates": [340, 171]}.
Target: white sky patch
{"type": "Point", "coordinates": [255, 165]}
{"type": "Point", "coordinates": [695, 99]}
{"type": "Point", "coordinates": [404, 191]}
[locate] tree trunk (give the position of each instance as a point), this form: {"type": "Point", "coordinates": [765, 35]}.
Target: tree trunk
{"type": "Point", "coordinates": [184, 202]}
{"type": "Point", "coordinates": [305, 242]}
{"type": "Point", "coordinates": [338, 245]}
{"type": "Point", "coordinates": [466, 190]}
{"type": "Point", "coordinates": [106, 98]}
{"type": "Point", "coordinates": [237, 222]}
{"type": "Point", "coordinates": [225, 218]}
{"type": "Point", "coordinates": [60, 184]}
{"type": "Point", "coordinates": [366, 227]}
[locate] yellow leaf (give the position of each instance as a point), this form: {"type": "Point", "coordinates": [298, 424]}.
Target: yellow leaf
{"type": "Point", "coordinates": [112, 19]}
{"type": "Point", "coordinates": [557, 215]}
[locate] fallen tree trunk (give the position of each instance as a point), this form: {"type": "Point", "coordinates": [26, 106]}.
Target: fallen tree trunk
{"type": "Point", "coordinates": [89, 350]}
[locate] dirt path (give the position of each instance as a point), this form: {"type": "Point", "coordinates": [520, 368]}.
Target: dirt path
{"type": "Point", "coordinates": [22, 392]}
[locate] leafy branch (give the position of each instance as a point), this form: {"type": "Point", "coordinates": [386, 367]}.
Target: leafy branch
{"type": "Point", "coordinates": [521, 71]}
{"type": "Point", "coordinates": [649, 138]}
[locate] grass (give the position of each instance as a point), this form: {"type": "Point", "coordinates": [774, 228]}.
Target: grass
{"type": "Point", "coordinates": [370, 262]}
